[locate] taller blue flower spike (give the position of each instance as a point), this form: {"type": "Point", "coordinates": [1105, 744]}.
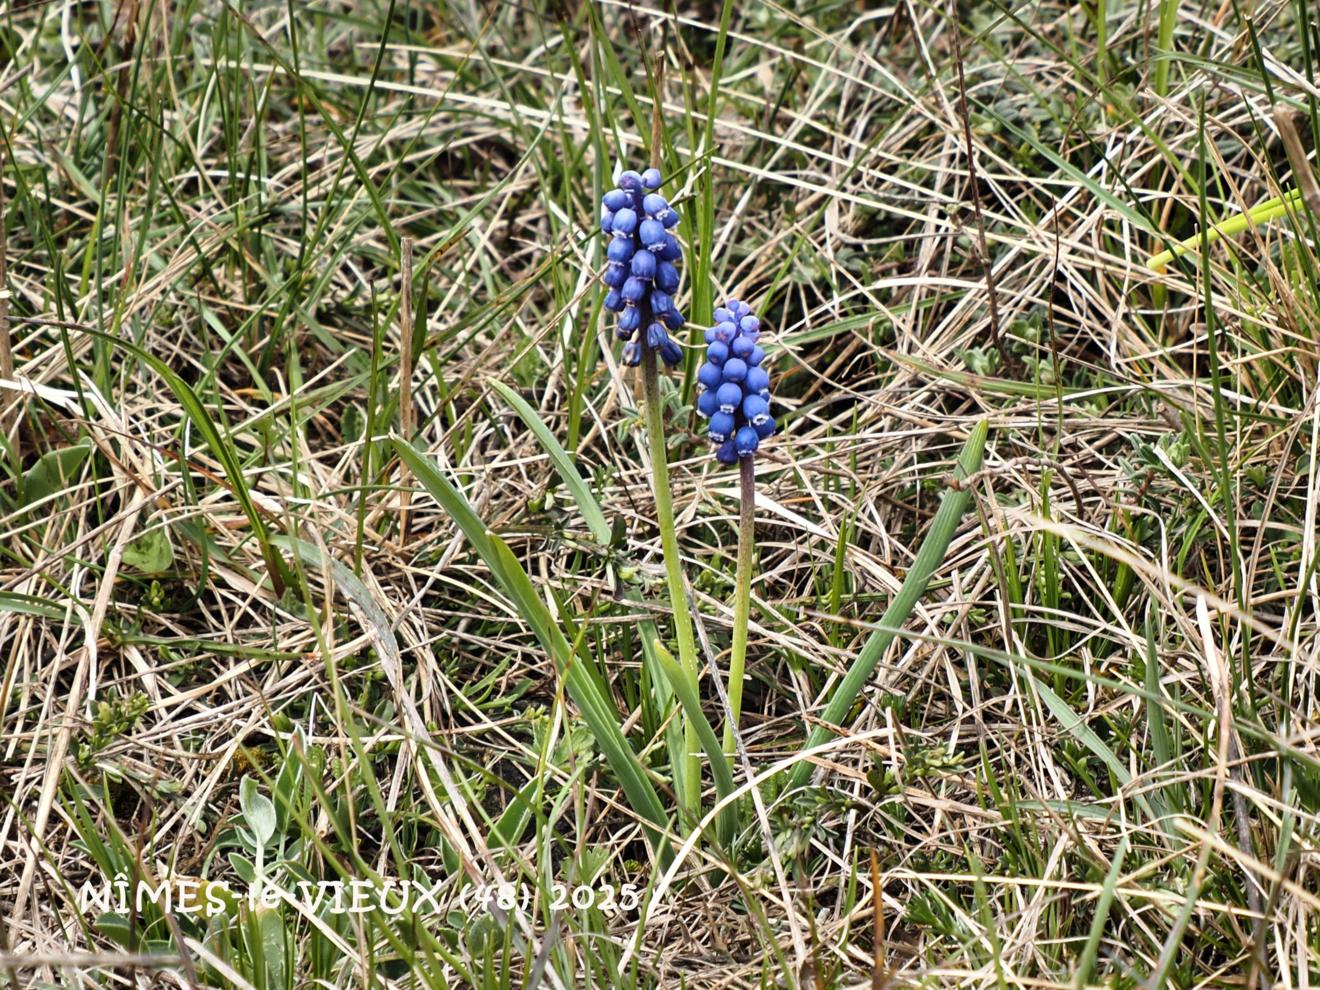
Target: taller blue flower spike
{"type": "Point", "coordinates": [642, 275]}
{"type": "Point", "coordinates": [735, 395]}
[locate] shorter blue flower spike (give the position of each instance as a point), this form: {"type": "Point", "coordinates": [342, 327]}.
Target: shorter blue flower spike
{"type": "Point", "coordinates": [707, 404]}
{"type": "Point", "coordinates": [651, 178]}
{"type": "Point", "coordinates": [736, 390]}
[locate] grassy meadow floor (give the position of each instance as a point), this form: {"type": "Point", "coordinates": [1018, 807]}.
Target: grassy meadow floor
{"type": "Point", "coordinates": [240, 635]}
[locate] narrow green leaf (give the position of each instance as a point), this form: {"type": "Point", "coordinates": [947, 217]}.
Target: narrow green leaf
{"type": "Point", "coordinates": [933, 548]}
{"type": "Point", "coordinates": [1087, 963]}
{"type": "Point", "coordinates": [724, 786]}
{"type": "Point", "coordinates": [591, 511]}
{"type": "Point", "coordinates": [597, 708]}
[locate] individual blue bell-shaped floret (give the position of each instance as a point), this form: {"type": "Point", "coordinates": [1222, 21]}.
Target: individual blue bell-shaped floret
{"type": "Point", "coordinates": [630, 180]}
{"type": "Point", "coordinates": [661, 303]}
{"type": "Point", "coordinates": [615, 275]}
{"type": "Point", "coordinates": [634, 290]}
{"type": "Point", "coordinates": [707, 404]}
{"type": "Point", "coordinates": [710, 376]}
{"type": "Point", "coordinates": [623, 334]}
{"type": "Point", "coordinates": [632, 354]}
{"type": "Point", "coordinates": [653, 236]}
{"type": "Point", "coordinates": [655, 336]}
{"type": "Point", "coordinates": [625, 221]}
{"type": "Point", "coordinates": [614, 300]}
{"type": "Point", "coordinates": [630, 319]}
{"type": "Point", "coordinates": [757, 382]}
{"type": "Point", "coordinates": [621, 250]}
{"type": "Point", "coordinates": [643, 265]}
{"type": "Point", "coordinates": [670, 251]}
{"type": "Point", "coordinates": [606, 221]}
{"type": "Point", "coordinates": [722, 426]}
{"type": "Point", "coordinates": [616, 199]}
{"type": "Point", "coordinates": [666, 275]}
{"type": "Point", "coordinates": [735, 395]}
{"type": "Point", "coordinates": [755, 409]}
{"type": "Point", "coordinates": [651, 179]}
{"type": "Point", "coordinates": [735, 369]}
{"type": "Point", "coordinates": [674, 319]}
{"type": "Point", "coordinates": [670, 353]}
{"type": "Point", "coordinates": [729, 396]}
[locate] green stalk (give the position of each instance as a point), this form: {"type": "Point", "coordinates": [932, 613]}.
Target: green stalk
{"type": "Point", "coordinates": [1264, 212]}
{"type": "Point", "coordinates": [1168, 19]}
{"type": "Point", "coordinates": [688, 775]}
{"type": "Point", "coordinates": [933, 548]}
{"type": "Point", "coordinates": [742, 595]}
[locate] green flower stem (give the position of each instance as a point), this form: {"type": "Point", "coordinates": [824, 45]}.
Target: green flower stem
{"type": "Point", "coordinates": [952, 506]}
{"type": "Point", "coordinates": [689, 779]}
{"type": "Point", "coordinates": [742, 594]}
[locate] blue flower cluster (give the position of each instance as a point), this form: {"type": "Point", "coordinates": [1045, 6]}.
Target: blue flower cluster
{"type": "Point", "coordinates": [641, 274]}
{"type": "Point", "coordinates": [735, 393]}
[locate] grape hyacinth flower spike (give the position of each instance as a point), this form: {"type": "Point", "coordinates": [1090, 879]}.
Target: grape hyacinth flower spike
{"type": "Point", "coordinates": [642, 273]}
{"type": "Point", "coordinates": [641, 279]}
{"type": "Point", "coordinates": [735, 396]}
{"type": "Point", "coordinates": [735, 399]}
